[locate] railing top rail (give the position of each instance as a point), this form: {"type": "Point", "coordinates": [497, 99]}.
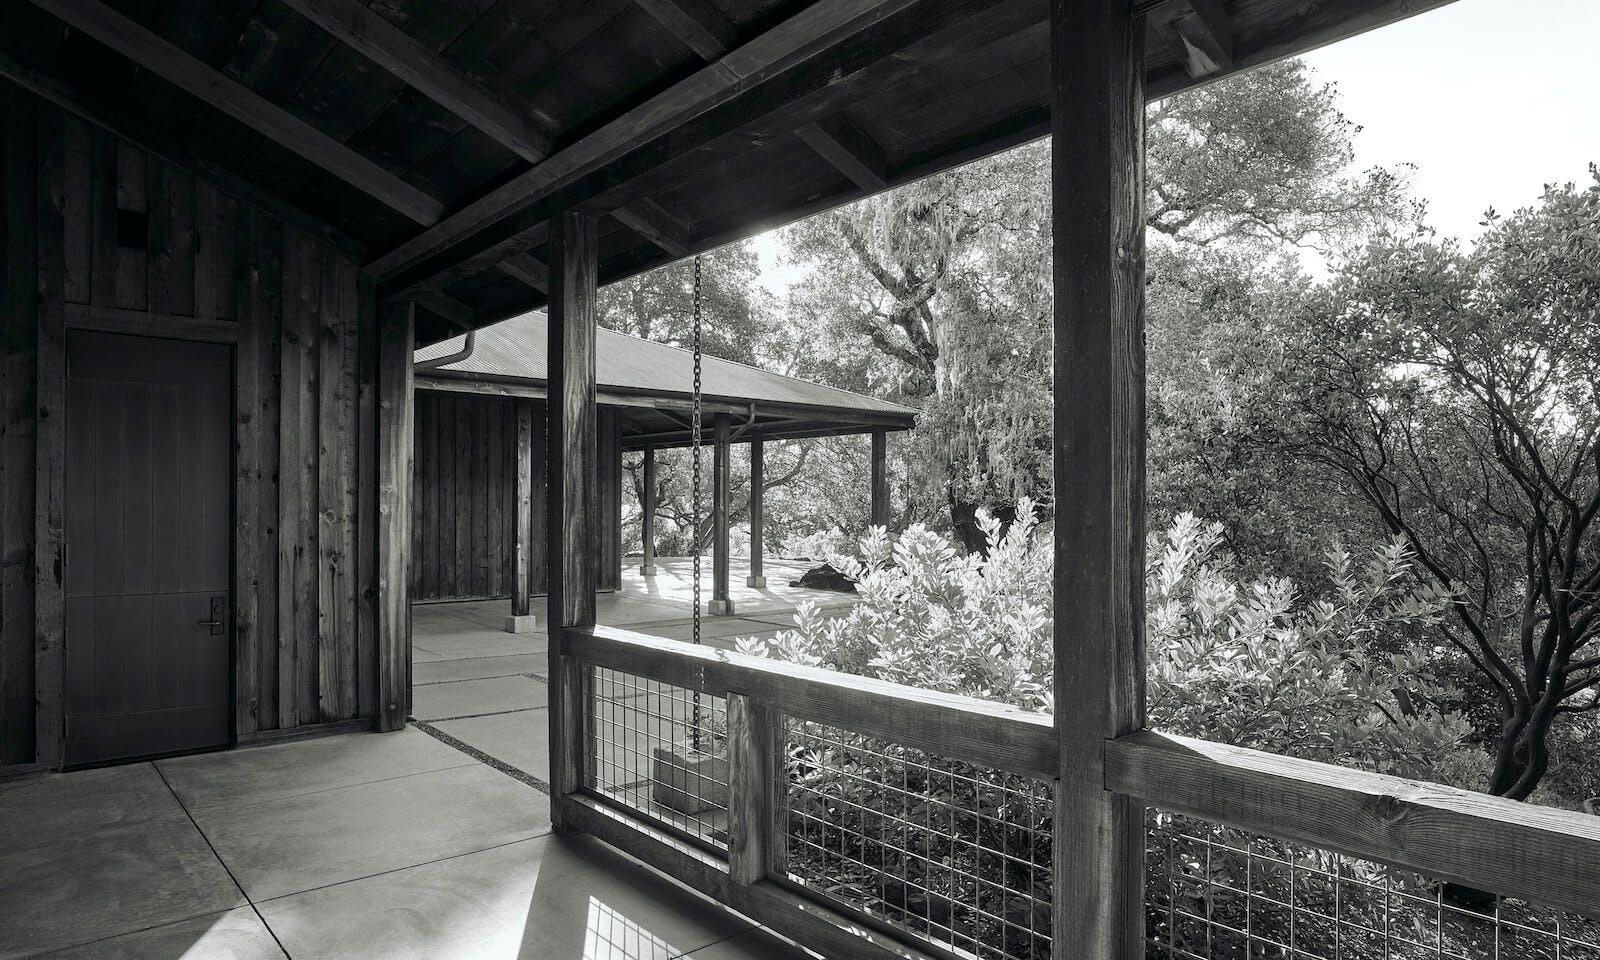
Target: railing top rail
{"type": "Point", "coordinates": [985, 733]}
{"type": "Point", "coordinates": [1543, 854]}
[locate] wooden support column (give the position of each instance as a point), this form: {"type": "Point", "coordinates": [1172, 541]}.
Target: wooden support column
{"type": "Point", "coordinates": [755, 748]}
{"type": "Point", "coordinates": [880, 478]}
{"type": "Point", "coordinates": [647, 515]}
{"type": "Point", "coordinates": [50, 445]}
{"type": "Point", "coordinates": [1097, 123]}
{"type": "Point", "coordinates": [573, 483]}
{"type": "Point", "coordinates": [396, 341]}
{"type": "Point", "coordinates": [721, 603]}
{"type": "Point", "coordinates": [522, 619]}
{"type": "Point", "coordinates": [758, 491]}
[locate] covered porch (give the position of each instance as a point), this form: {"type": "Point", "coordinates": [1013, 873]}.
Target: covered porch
{"type": "Point", "coordinates": [314, 189]}
{"type": "Point", "coordinates": [354, 845]}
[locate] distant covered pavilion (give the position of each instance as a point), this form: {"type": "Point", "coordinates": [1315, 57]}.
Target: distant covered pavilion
{"type": "Point", "coordinates": [478, 528]}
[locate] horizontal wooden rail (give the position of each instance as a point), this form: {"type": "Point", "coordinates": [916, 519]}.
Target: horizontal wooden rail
{"type": "Point", "coordinates": [981, 732]}
{"type": "Point", "coordinates": [1548, 856]}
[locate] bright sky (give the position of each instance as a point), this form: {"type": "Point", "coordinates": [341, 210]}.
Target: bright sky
{"type": "Point", "coordinates": [1488, 99]}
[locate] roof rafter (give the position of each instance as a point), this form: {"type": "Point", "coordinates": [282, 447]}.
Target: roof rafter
{"type": "Point", "coordinates": [798, 49]}
{"type": "Point", "coordinates": [358, 27]}
{"type": "Point", "coordinates": [524, 267]}
{"type": "Point", "coordinates": [702, 27]}
{"type": "Point", "coordinates": [1201, 33]}
{"type": "Point", "coordinates": [653, 222]}
{"type": "Point", "coordinates": [133, 41]}
{"type": "Point", "coordinates": [447, 307]}
{"type": "Point", "coordinates": [850, 150]}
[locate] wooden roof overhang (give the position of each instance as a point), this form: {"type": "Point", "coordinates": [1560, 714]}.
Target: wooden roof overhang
{"type": "Point", "coordinates": [661, 420]}
{"type": "Point", "coordinates": [652, 385]}
{"type": "Point", "coordinates": [436, 139]}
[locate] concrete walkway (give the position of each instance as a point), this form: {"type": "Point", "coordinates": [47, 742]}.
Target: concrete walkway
{"type": "Point", "coordinates": [429, 843]}
{"type": "Point", "coordinates": [482, 690]}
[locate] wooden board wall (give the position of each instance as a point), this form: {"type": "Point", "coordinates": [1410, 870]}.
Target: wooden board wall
{"type": "Point", "coordinates": [464, 509]}
{"type": "Point", "coordinates": [18, 336]}
{"type": "Point", "coordinates": [120, 239]}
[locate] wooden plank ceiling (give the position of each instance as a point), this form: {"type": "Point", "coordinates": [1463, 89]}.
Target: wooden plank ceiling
{"type": "Point", "coordinates": [435, 138]}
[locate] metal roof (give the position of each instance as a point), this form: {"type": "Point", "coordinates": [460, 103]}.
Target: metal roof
{"type": "Point", "coordinates": [515, 350]}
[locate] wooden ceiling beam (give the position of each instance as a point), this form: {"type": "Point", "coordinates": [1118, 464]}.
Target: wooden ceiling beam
{"type": "Point", "coordinates": [358, 27]}
{"type": "Point", "coordinates": [849, 150]}
{"type": "Point", "coordinates": [524, 267]}
{"type": "Point", "coordinates": [448, 308]}
{"type": "Point", "coordinates": [794, 59]}
{"type": "Point", "coordinates": [1201, 33]}
{"type": "Point", "coordinates": [702, 27]}
{"type": "Point", "coordinates": [167, 61]}
{"type": "Point", "coordinates": [651, 221]}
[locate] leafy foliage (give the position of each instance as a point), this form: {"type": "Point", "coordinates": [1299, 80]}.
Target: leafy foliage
{"type": "Point", "coordinates": [1457, 392]}
{"type": "Point", "coordinates": [1332, 674]}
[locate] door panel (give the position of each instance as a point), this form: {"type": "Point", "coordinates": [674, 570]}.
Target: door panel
{"type": "Point", "coordinates": [148, 531]}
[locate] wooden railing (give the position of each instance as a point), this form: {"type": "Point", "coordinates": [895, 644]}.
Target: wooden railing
{"type": "Point", "coordinates": [1547, 857]}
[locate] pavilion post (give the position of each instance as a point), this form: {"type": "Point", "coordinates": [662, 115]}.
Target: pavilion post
{"type": "Point", "coordinates": [758, 492]}
{"type": "Point", "coordinates": [396, 410]}
{"type": "Point", "coordinates": [721, 603]}
{"type": "Point", "coordinates": [572, 482]}
{"type": "Point", "coordinates": [880, 478]}
{"type": "Point", "coordinates": [1097, 165]}
{"type": "Point", "coordinates": [522, 426]}
{"type": "Point", "coordinates": [647, 515]}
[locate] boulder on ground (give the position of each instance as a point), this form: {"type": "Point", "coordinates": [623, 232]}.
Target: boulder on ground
{"type": "Point", "coordinates": [825, 577]}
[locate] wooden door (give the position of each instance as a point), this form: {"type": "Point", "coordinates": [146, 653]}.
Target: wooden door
{"type": "Point", "coordinates": [148, 517]}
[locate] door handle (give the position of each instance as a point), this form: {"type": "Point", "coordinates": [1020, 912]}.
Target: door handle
{"type": "Point", "coordinates": [216, 623]}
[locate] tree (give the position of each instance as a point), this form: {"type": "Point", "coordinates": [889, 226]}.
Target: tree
{"type": "Point", "coordinates": [737, 312]}
{"type": "Point", "coordinates": [940, 290]}
{"type": "Point", "coordinates": [1263, 158]}
{"type": "Point", "coordinates": [1458, 393]}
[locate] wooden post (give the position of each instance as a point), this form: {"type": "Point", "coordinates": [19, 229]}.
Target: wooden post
{"type": "Point", "coordinates": [880, 478]}
{"type": "Point", "coordinates": [1097, 123]}
{"type": "Point", "coordinates": [573, 482]}
{"type": "Point", "coordinates": [721, 604]}
{"type": "Point", "coordinates": [522, 619]}
{"type": "Point", "coordinates": [758, 490]}
{"type": "Point", "coordinates": [647, 515]}
{"type": "Point", "coordinates": [753, 752]}
{"type": "Point", "coordinates": [396, 341]}
{"type": "Point", "coordinates": [50, 445]}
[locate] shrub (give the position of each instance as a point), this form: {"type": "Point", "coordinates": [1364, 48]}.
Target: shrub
{"type": "Point", "coordinates": [1338, 673]}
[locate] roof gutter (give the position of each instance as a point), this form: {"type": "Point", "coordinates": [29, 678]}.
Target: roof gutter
{"type": "Point", "coordinates": [422, 366]}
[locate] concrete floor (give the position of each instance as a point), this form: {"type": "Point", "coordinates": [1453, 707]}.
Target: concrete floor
{"type": "Point", "coordinates": [433, 842]}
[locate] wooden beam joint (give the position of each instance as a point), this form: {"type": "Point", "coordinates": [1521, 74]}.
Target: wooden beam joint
{"type": "Point", "coordinates": [1201, 33]}
{"type": "Point", "coordinates": [702, 27]}
{"type": "Point", "coordinates": [850, 150]}
{"type": "Point", "coordinates": [653, 222]}
{"type": "Point", "coordinates": [524, 267]}
{"type": "Point", "coordinates": [363, 30]}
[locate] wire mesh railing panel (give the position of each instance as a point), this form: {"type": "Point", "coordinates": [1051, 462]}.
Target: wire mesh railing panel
{"type": "Point", "coordinates": [658, 750]}
{"type": "Point", "coordinates": [1216, 892]}
{"type": "Point", "coordinates": [945, 851]}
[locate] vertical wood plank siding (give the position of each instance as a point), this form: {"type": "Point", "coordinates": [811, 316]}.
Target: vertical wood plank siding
{"type": "Point", "coordinates": [466, 498]}
{"type": "Point", "coordinates": [98, 233]}
{"type": "Point", "coordinates": [18, 379]}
